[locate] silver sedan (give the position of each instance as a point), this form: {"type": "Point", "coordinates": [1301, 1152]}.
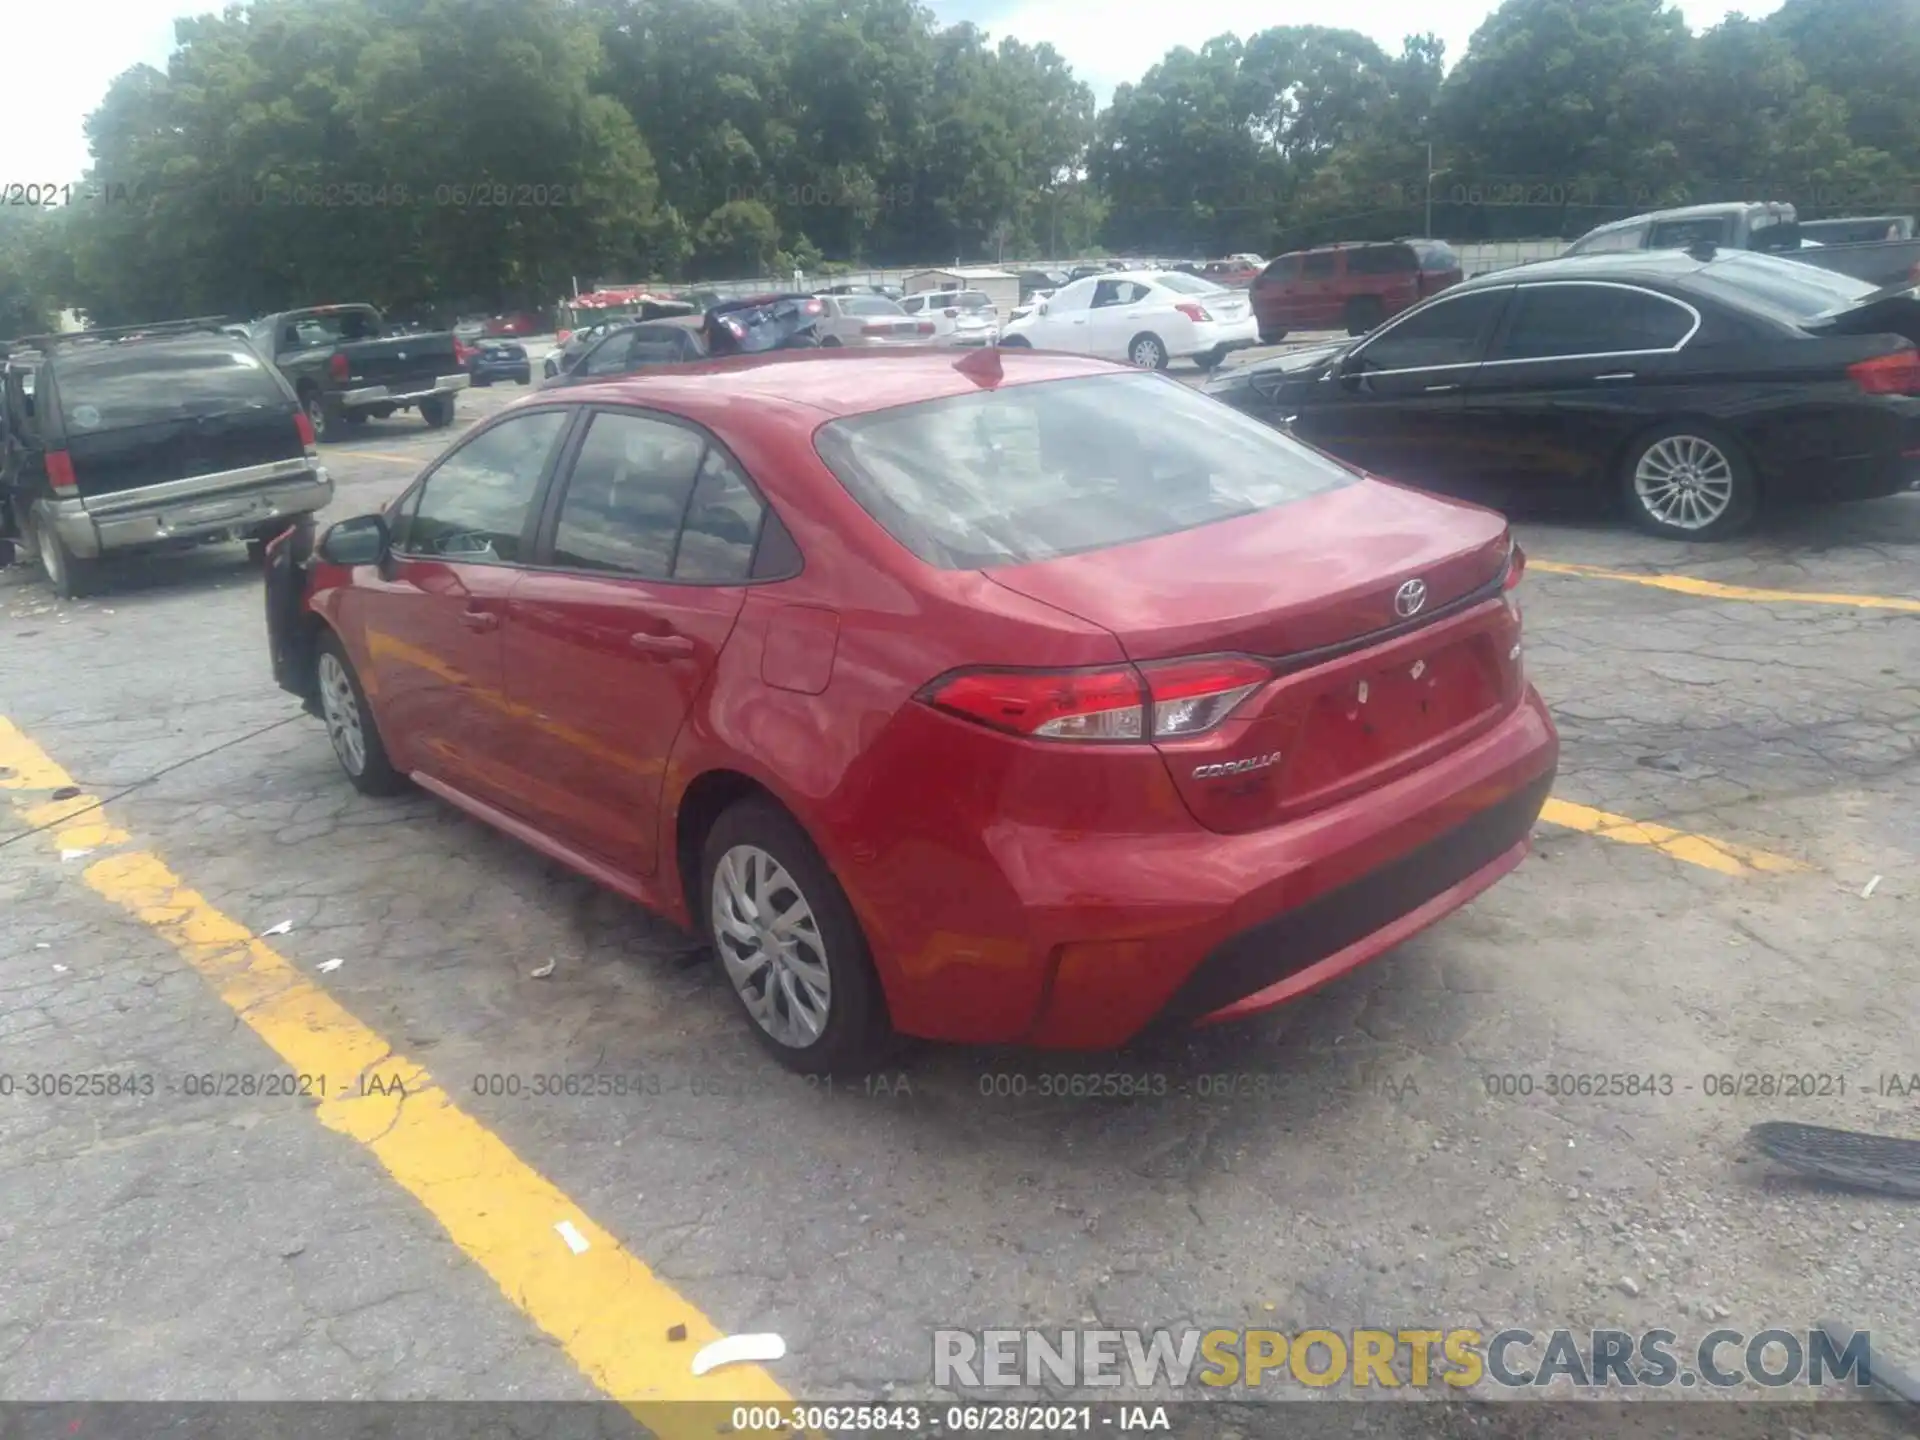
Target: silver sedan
{"type": "Point", "coordinates": [869, 322]}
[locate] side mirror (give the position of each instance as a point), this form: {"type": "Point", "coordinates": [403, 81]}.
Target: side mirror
{"type": "Point", "coordinates": [363, 540]}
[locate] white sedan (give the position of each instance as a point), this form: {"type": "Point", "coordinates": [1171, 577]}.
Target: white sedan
{"type": "Point", "coordinates": [1147, 317]}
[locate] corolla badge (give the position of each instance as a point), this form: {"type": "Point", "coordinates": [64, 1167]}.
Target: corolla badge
{"type": "Point", "coordinates": [1408, 599]}
{"type": "Point", "coordinates": [1235, 767]}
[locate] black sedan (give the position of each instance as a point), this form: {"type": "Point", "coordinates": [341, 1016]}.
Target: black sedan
{"type": "Point", "coordinates": [1692, 386]}
{"type": "Point", "coordinates": [490, 359]}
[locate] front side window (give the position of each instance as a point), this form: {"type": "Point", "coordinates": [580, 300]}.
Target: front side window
{"type": "Point", "coordinates": [1553, 320]}
{"type": "Point", "coordinates": [1448, 332]}
{"type": "Point", "coordinates": [626, 496]}
{"type": "Point", "coordinates": [473, 508]}
{"type": "Point", "coordinates": [1029, 472]}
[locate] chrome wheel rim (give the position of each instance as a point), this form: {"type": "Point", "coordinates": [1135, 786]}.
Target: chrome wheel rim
{"type": "Point", "coordinates": [771, 946]}
{"type": "Point", "coordinates": [1684, 481]}
{"type": "Point", "coordinates": [342, 713]}
{"type": "Point", "coordinates": [317, 417]}
{"type": "Point", "coordinates": [1146, 354]}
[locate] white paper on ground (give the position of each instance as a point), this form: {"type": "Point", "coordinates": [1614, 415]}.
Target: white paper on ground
{"type": "Point", "coordinates": [576, 1242]}
{"type": "Point", "coordinates": [737, 1350]}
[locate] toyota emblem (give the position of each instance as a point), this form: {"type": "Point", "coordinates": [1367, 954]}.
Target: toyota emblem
{"type": "Point", "coordinates": [1408, 599]}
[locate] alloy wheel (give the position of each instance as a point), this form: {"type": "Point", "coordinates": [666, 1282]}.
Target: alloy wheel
{"type": "Point", "coordinates": [341, 710]}
{"type": "Point", "coordinates": [1684, 481]}
{"type": "Point", "coordinates": [770, 943]}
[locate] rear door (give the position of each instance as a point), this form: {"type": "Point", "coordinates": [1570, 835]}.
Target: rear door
{"type": "Point", "coordinates": [1397, 409]}
{"type": "Point", "coordinates": [141, 414]}
{"type": "Point", "coordinates": [642, 565]}
{"type": "Point", "coordinates": [1316, 301]}
{"type": "Point", "coordinates": [1577, 368]}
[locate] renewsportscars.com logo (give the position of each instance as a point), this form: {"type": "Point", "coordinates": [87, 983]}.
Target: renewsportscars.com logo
{"type": "Point", "coordinates": [1458, 1359]}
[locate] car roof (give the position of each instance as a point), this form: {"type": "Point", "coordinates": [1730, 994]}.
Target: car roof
{"type": "Point", "coordinates": [800, 390]}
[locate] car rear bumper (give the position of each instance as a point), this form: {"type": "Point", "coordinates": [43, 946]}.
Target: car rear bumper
{"type": "Point", "coordinates": [232, 502]}
{"type": "Point", "coordinates": [1243, 922]}
{"type": "Point", "coordinates": [1225, 335]}
{"type": "Point", "coordinates": [369, 395]}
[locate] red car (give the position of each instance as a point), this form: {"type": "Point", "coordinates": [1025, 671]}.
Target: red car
{"type": "Point", "coordinates": [1043, 704]}
{"type": "Point", "coordinates": [521, 322]}
{"type": "Point", "coordinates": [1349, 287]}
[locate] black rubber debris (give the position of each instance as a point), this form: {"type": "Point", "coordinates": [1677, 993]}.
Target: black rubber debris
{"type": "Point", "coordinates": [1852, 1158]}
{"type": "Point", "coordinates": [67, 792]}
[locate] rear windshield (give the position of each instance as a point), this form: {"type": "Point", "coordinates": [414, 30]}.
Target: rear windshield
{"type": "Point", "coordinates": [1790, 290]}
{"type": "Point", "coordinates": [135, 385]}
{"type": "Point", "coordinates": [868, 305]}
{"type": "Point", "coordinates": [1032, 472]}
{"type": "Point", "coordinates": [1184, 284]}
{"type": "Point", "coordinates": [311, 331]}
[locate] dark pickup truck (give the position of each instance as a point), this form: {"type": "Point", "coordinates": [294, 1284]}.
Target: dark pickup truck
{"type": "Point", "coordinates": [1771, 226]}
{"type": "Point", "coordinates": [346, 365]}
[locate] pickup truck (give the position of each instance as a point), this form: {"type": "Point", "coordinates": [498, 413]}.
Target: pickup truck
{"type": "Point", "coordinates": [346, 365]}
{"type": "Point", "coordinates": [1769, 226]}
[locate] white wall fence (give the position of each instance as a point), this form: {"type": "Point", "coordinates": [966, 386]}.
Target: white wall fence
{"type": "Point", "coordinates": [1476, 258]}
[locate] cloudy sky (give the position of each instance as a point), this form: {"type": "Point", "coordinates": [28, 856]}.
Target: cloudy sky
{"type": "Point", "coordinates": [64, 53]}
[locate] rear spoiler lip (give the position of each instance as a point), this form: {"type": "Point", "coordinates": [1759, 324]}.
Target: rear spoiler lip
{"type": "Point", "coordinates": [1830, 321]}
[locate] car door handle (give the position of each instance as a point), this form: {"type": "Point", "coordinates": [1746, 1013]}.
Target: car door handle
{"type": "Point", "coordinates": [481, 620]}
{"type": "Point", "coordinates": [1616, 375]}
{"type": "Point", "coordinates": [648, 643]}
{"type": "Point", "coordinates": [1440, 389]}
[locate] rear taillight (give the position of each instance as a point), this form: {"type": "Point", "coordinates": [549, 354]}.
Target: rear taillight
{"type": "Point", "coordinates": [304, 424]}
{"type": "Point", "coordinates": [337, 367]}
{"type": "Point", "coordinates": [1190, 697]}
{"type": "Point", "coordinates": [60, 474]}
{"type": "Point", "coordinates": [1516, 567]}
{"type": "Point", "coordinates": [926, 327]}
{"type": "Point", "coordinates": [1167, 700]}
{"type": "Point", "coordinates": [1895, 374]}
{"type": "Point", "coordinates": [1196, 313]}
{"type": "Point", "coordinates": [462, 352]}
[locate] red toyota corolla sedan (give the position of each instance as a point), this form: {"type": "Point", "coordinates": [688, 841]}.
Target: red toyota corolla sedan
{"type": "Point", "coordinates": [1048, 703]}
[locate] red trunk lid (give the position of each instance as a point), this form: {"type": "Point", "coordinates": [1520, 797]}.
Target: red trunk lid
{"type": "Point", "coordinates": [1363, 691]}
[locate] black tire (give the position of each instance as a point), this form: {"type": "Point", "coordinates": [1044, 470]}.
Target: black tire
{"type": "Point", "coordinates": [70, 576]}
{"type": "Point", "coordinates": [1689, 481]}
{"type": "Point", "coordinates": [323, 415]}
{"type": "Point", "coordinates": [832, 342]}
{"type": "Point", "coordinates": [1148, 351]}
{"type": "Point", "coordinates": [354, 419]}
{"type": "Point", "coordinates": [256, 552]}
{"type": "Point", "coordinates": [437, 411]}
{"type": "Point", "coordinates": [857, 1033]}
{"type": "Point", "coordinates": [1210, 360]}
{"type": "Point", "coordinates": [1364, 312]}
{"type": "Point", "coordinates": [370, 771]}
{"type": "Point", "coordinates": [1016, 342]}
{"type": "Point", "coordinates": [481, 382]}
{"type": "Point", "coordinates": [1272, 337]}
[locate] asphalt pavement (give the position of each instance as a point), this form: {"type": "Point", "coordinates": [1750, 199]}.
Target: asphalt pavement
{"type": "Point", "coordinates": [1724, 887]}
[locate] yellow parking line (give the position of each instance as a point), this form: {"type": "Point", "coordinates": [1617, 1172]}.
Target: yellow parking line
{"type": "Point", "coordinates": [1714, 590]}
{"type": "Point", "coordinates": [1702, 850]}
{"type": "Point", "coordinates": [414, 460]}
{"type": "Point", "coordinates": [605, 1308]}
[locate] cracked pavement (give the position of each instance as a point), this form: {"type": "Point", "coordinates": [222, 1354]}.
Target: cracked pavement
{"type": "Point", "coordinates": [1338, 1163]}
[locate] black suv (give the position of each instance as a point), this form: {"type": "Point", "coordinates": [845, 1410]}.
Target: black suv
{"type": "Point", "coordinates": [144, 438]}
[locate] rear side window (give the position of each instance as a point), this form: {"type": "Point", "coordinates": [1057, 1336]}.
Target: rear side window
{"type": "Point", "coordinates": [656, 501]}
{"type": "Point", "coordinates": [1551, 320]}
{"type": "Point", "coordinates": [1436, 255]}
{"type": "Point", "coordinates": [1320, 264]}
{"type": "Point", "coordinates": [120, 386]}
{"type": "Point", "coordinates": [1381, 260]}
{"type": "Point", "coordinates": [1634, 237]}
{"type": "Point", "coordinates": [1031, 472]}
